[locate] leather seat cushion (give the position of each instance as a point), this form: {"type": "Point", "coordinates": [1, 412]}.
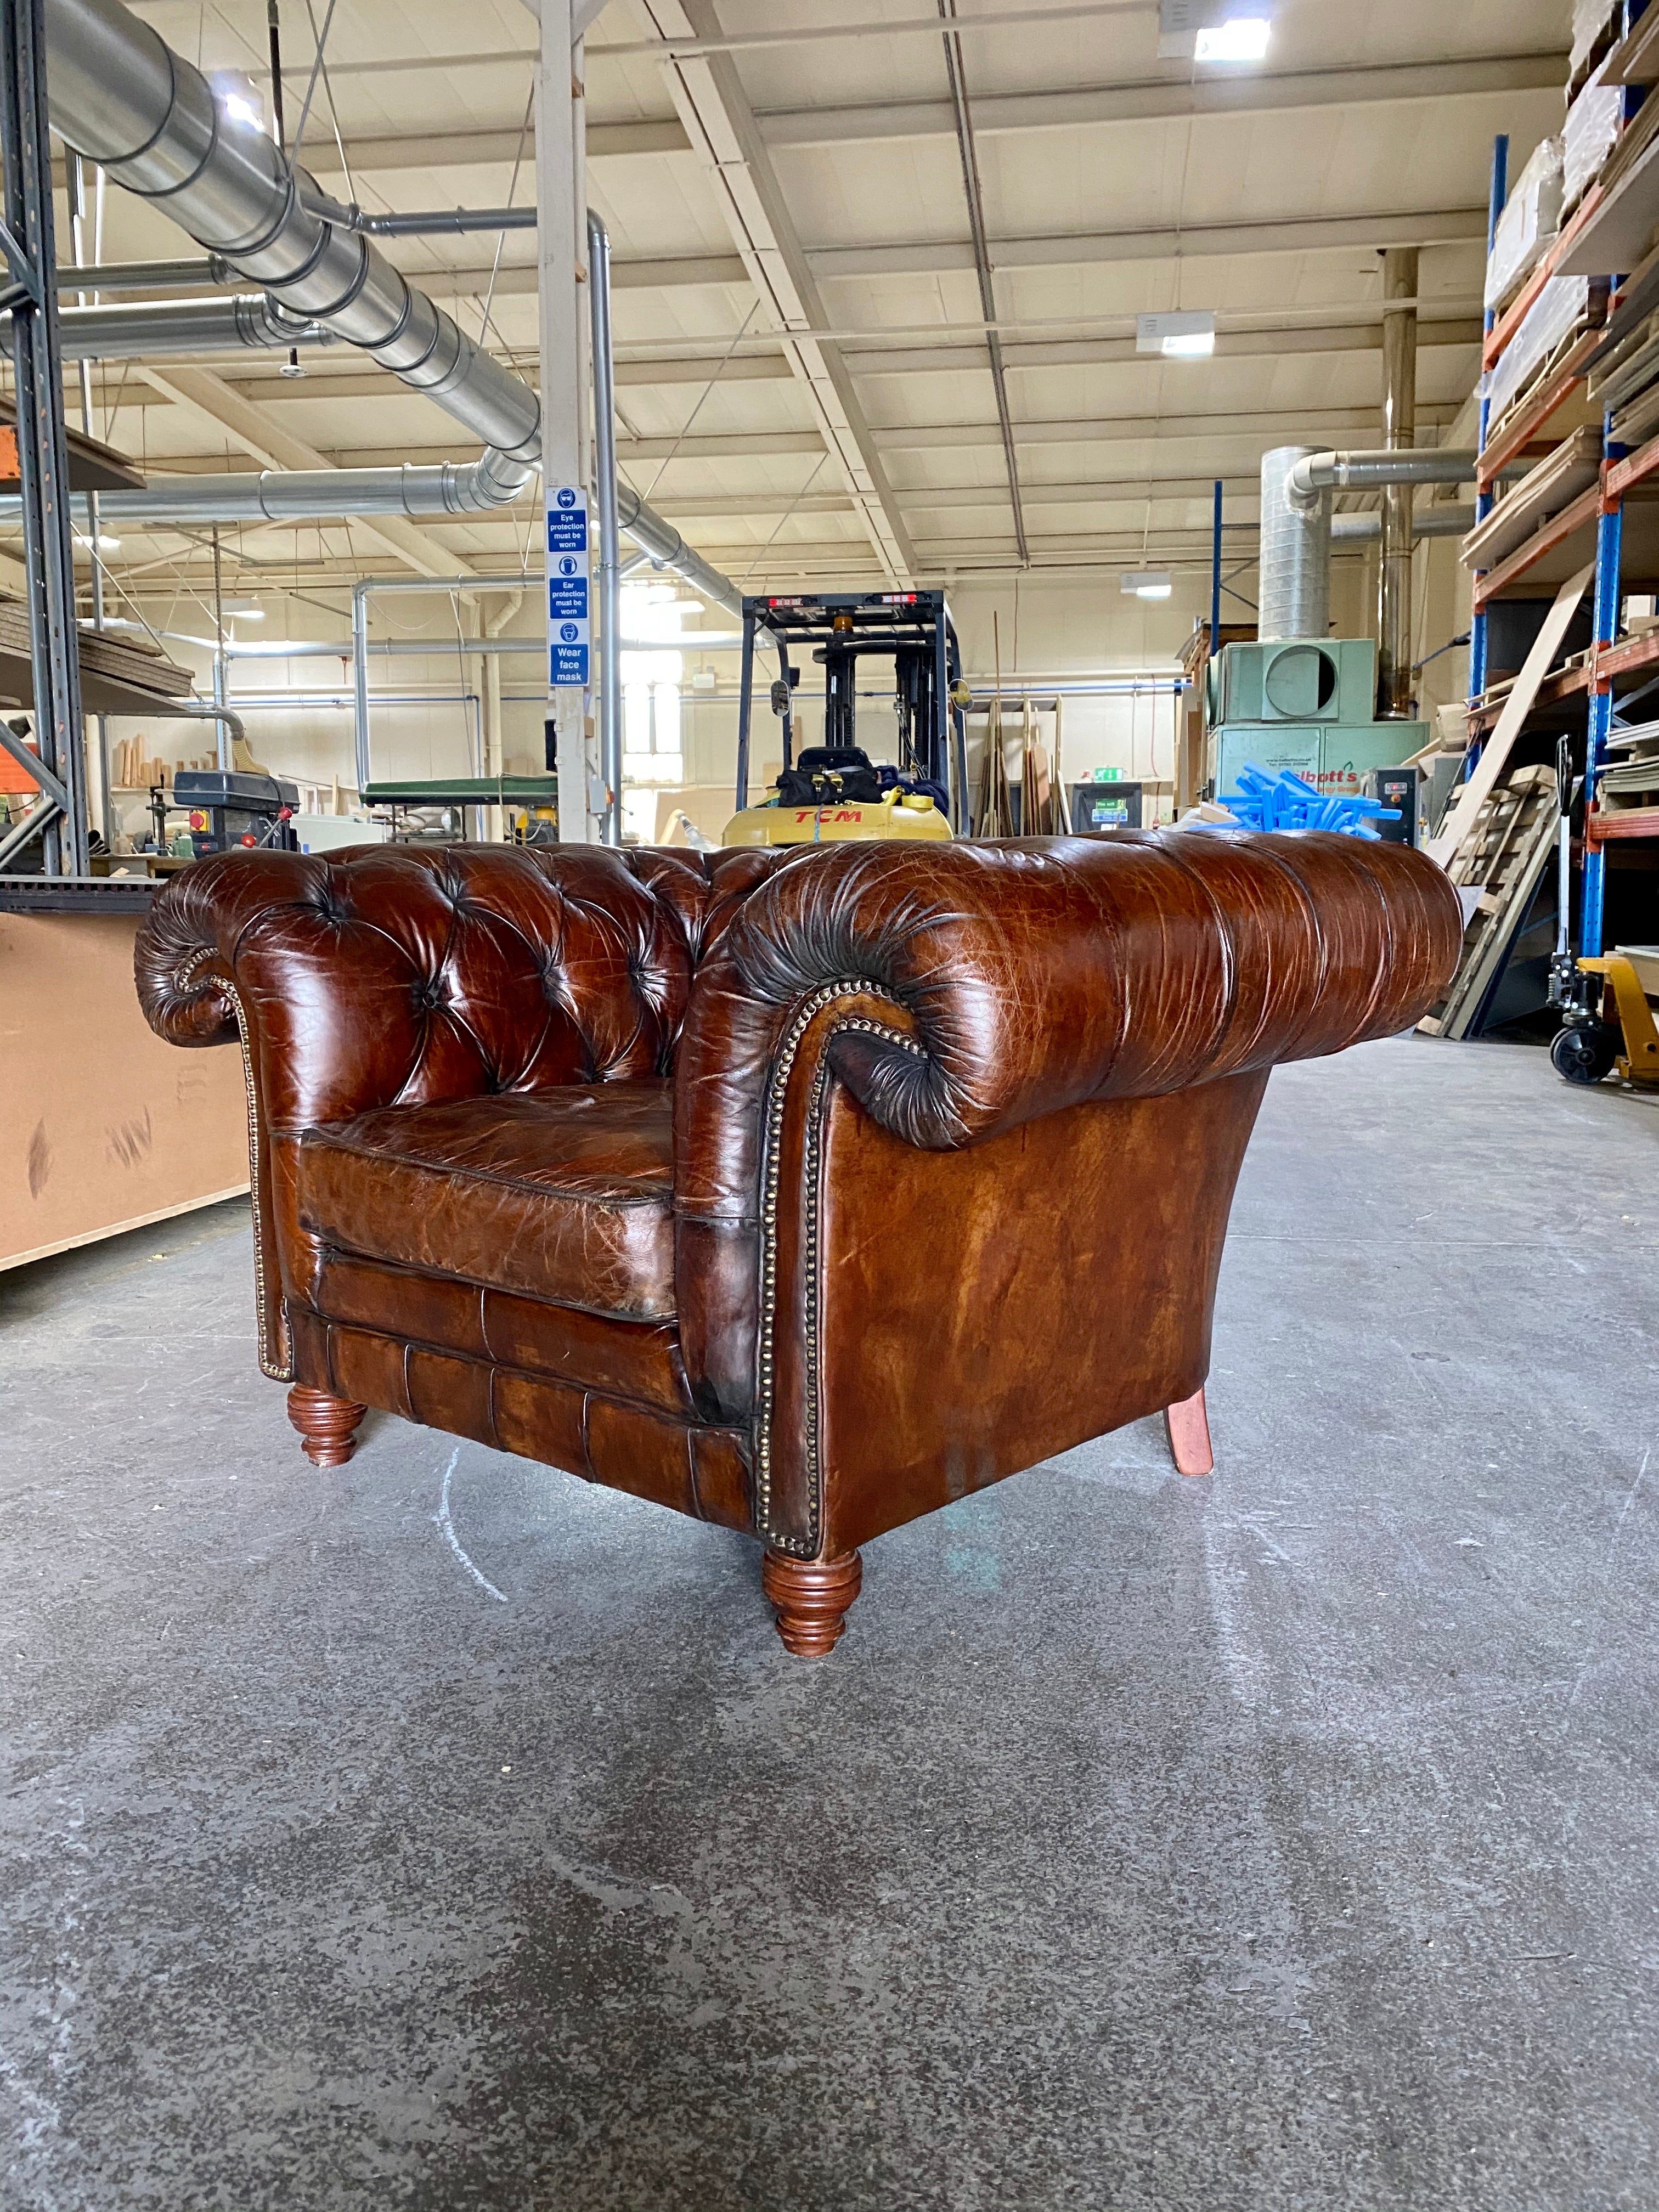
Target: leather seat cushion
{"type": "Point", "coordinates": [565, 1195]}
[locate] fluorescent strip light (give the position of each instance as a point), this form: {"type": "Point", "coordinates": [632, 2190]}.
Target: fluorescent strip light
{"type": "Point", "coordinates": [1145, 584]}
{"type": "Point", "coordinates": [1243, 39]}
{"type": "Point", "coordinates": [1181, 334]}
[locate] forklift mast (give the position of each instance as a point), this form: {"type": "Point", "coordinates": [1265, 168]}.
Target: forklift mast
{"type": "Point", "coordinates": [912, 629]}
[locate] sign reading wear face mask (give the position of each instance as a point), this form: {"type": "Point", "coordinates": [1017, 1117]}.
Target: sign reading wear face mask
{"type": "Point", "coordinates": [569, 637]}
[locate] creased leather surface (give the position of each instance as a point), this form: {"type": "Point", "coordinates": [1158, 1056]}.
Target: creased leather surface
{"type": "Point", "coordinates": [391, 975]}
{"type": "Point", "coordinates": [1033, 975]}
{"type": "Point", "coordinates": [691, 1467]}
{"type": "Point", "coordinates": [1070, 1288]}
{"type": "Point", "coordinates": [440, 1004]}
{"type": "Point", "coordinates": [635, 1360]}
{"type": "Point", "coordinates": [564, 1195]}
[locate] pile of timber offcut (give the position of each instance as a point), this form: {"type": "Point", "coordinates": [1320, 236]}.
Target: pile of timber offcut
{"type": "Point", "coordinates": [113, 665]}
{"type": "Point", "coordinates": [1505, 853]}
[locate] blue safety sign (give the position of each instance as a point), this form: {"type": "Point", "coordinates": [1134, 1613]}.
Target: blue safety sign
{"type": "Point", "coordinates": [569, 637]}
{"type": "Point", "coordinates": [567, 521]}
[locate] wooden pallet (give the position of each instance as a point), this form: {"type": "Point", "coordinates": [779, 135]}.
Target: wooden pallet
{"type": "Point", "coordinates": [1509, 844]}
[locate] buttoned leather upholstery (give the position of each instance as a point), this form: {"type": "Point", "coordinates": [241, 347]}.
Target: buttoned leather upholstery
{"type": "Point", "coordinates": [700, 1175]}
{"type": "Point", "coordinates": [562, 1194]}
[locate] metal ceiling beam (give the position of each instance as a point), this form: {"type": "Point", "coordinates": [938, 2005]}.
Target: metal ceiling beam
{"type": "Point", "coordinates": [956, 72]}
{"type": "Point", "coordinates": [517, 280]}
{"type": "Point", "coordinates": [1183, 429]}
{"type": "Point", "coordinates": [1174, 438]}
{"type": "Point", "coordinates": [1083, 249]}
{"type": "Point", "coordinates": [210, 400]}
{"type": "Point", "coordinates": [1167, 100]}
{"type": "Point", "coordinates": [482, 150]}
{"type": "Point", "coordinates": [709, 99]}
{"type": "Point", "coordinates": [1230, 345]}
{"type": "Point", "coordinates": [1089, 248]}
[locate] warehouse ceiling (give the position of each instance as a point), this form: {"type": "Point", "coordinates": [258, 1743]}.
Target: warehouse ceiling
{"type": "Point", "coordinates": [948, 418]}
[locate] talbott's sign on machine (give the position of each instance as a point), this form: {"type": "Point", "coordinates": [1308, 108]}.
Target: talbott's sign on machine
{"type": "Point", "coordinates": [569, 637]}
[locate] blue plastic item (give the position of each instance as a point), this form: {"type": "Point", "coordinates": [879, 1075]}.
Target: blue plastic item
{"type": "Point", "coordinates": [1286, 801]}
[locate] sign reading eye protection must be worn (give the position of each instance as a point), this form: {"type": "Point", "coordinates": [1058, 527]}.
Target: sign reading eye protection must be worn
{"type": "Point", "coordinates": [568, 635]}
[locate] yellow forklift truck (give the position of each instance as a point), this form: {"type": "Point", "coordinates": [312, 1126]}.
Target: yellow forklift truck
{"type": "Point", "coordinates": [834, 792]}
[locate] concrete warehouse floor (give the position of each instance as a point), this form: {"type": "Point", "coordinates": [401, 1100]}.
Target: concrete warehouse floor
{"type": "Point", "coordinates": [1285, 1839]}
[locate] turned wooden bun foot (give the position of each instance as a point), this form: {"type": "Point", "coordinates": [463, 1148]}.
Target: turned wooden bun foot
{"type": "Point", "coordinates": [1189, 1425]}
{"type": "Point", "coordinates": [810, 1597]}
{"type": "Point", "coordinates": [327, 1425]}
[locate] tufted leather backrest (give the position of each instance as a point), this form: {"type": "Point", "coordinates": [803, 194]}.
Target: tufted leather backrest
{"type": "Point", "coordinates": [401, 974]}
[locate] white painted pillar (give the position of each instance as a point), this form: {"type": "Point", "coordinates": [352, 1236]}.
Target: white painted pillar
{"type": "Point", "coordinates": [562, 206]}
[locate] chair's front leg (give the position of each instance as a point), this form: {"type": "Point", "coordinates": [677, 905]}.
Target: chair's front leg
{"type": "Point", "coordinates": [1189, 1425]}
{"type": "Point", "coordinates": [327, 1425]}
{"type": "Point", "coordinates": [811, 1598]}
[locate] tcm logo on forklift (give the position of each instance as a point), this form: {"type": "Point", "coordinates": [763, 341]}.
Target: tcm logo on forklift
{"type": "Point", "coordinates": [830, 814]}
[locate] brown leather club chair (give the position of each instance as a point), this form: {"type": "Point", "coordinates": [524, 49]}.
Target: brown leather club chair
{"type": "Point", "coordinates": [804, 1193]}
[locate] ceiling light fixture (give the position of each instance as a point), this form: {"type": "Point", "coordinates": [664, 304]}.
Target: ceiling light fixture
{"type": "Point", "coordinates": [1213, 30]}
{"type": "Point", "coordinates": [1145, 584]}
{"type": "Point", "coordinates": [1242, 39]}
{"type": "Point", "coordinates": [106, 544]}
{"type": "Point", "coordinates": [1185, 334]}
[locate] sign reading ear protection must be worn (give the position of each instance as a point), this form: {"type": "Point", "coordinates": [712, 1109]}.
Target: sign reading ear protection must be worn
{"type": "Point", "coordinates": [568, 635]}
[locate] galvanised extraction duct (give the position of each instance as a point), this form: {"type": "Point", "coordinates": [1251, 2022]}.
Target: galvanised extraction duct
{"type": "Point", "coordinates": [669, 551]}
{"type": "Point", "coordinates": [120, 96]}
{"type": "Point", "coordinates": [1314, 473]}
{"type": "Point", "coordinates": [153, 330]}
{"type": "Point", "coordinates": [1432, 522]}
{"type": "Point", "coordinates": [1294, 589]}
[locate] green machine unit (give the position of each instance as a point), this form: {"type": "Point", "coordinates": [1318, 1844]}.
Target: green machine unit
{"type": "Point", "coordinates": [1307, 704]}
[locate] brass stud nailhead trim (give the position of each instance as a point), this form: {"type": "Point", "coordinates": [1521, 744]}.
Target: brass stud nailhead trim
{"type": "Point", "coordinates": [189, 974]}
{"type": "Point", "coordinates": [806, 1547]}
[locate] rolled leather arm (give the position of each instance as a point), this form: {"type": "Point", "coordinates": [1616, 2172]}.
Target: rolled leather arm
{"type": "Point", "coordinates": [1028, 976]}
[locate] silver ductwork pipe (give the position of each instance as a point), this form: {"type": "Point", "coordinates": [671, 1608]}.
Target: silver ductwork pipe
{"type": "Point", "coordinates": [669, 551]}
{"type": "Point", "coordinates": [1293, 591]}
{"type": "Point", "coordinates": [120, 96]}
{"type": "Point", "coordinates": [441, 222]}
{"type": "Point", "coordinates": [1315, 473]}
{"type": "Point", "coordinates": [316, 494]}
{"type": "Point", "coordinates": [1432, 522]}
{"type": "Point", "coordinates": [232, 729]}
{"type": "Point", "coordinates": [153, 330]}
{"type": "Point", "coordinates": [143, 276]}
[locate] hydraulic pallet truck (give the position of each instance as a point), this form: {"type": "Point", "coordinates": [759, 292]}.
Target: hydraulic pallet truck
{"type": "Point", "coordinates": [1585, 1049]}
{"type": "Point", "coordinates": [834, 792]}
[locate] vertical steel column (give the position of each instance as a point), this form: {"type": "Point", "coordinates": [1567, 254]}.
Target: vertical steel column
{"type": "Point", "coordinates": [1393, 599]}
{"type": "Point", "coordinates": [561, 249]}
{"type": "Point", "coordinates": [43, 465]}
{"type": "Point", "coordinates": [1215, 575]}
{"type": "Point", "coordinates": [605, 497]}
{"type": "Point", "coordinates": [360, 681]}
{"type": "Point", "coordinates": [1498, 192]}
{"type": "Point", "coordinates": [77, 200]}
{"type": "Point", "coordinates": [1608, 547]}
{"type": "Point", "coordinates": [938, 764]}
{"type": "Point", "coordinates": [746, 702]}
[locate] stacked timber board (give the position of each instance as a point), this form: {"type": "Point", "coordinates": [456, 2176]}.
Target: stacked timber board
{"type": "Point", "coordinates": [1503, 858]}
{"type": "Point", "coordinates": [1632, 779]}
{"type": "Point", "coordinates": [118, 676]}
